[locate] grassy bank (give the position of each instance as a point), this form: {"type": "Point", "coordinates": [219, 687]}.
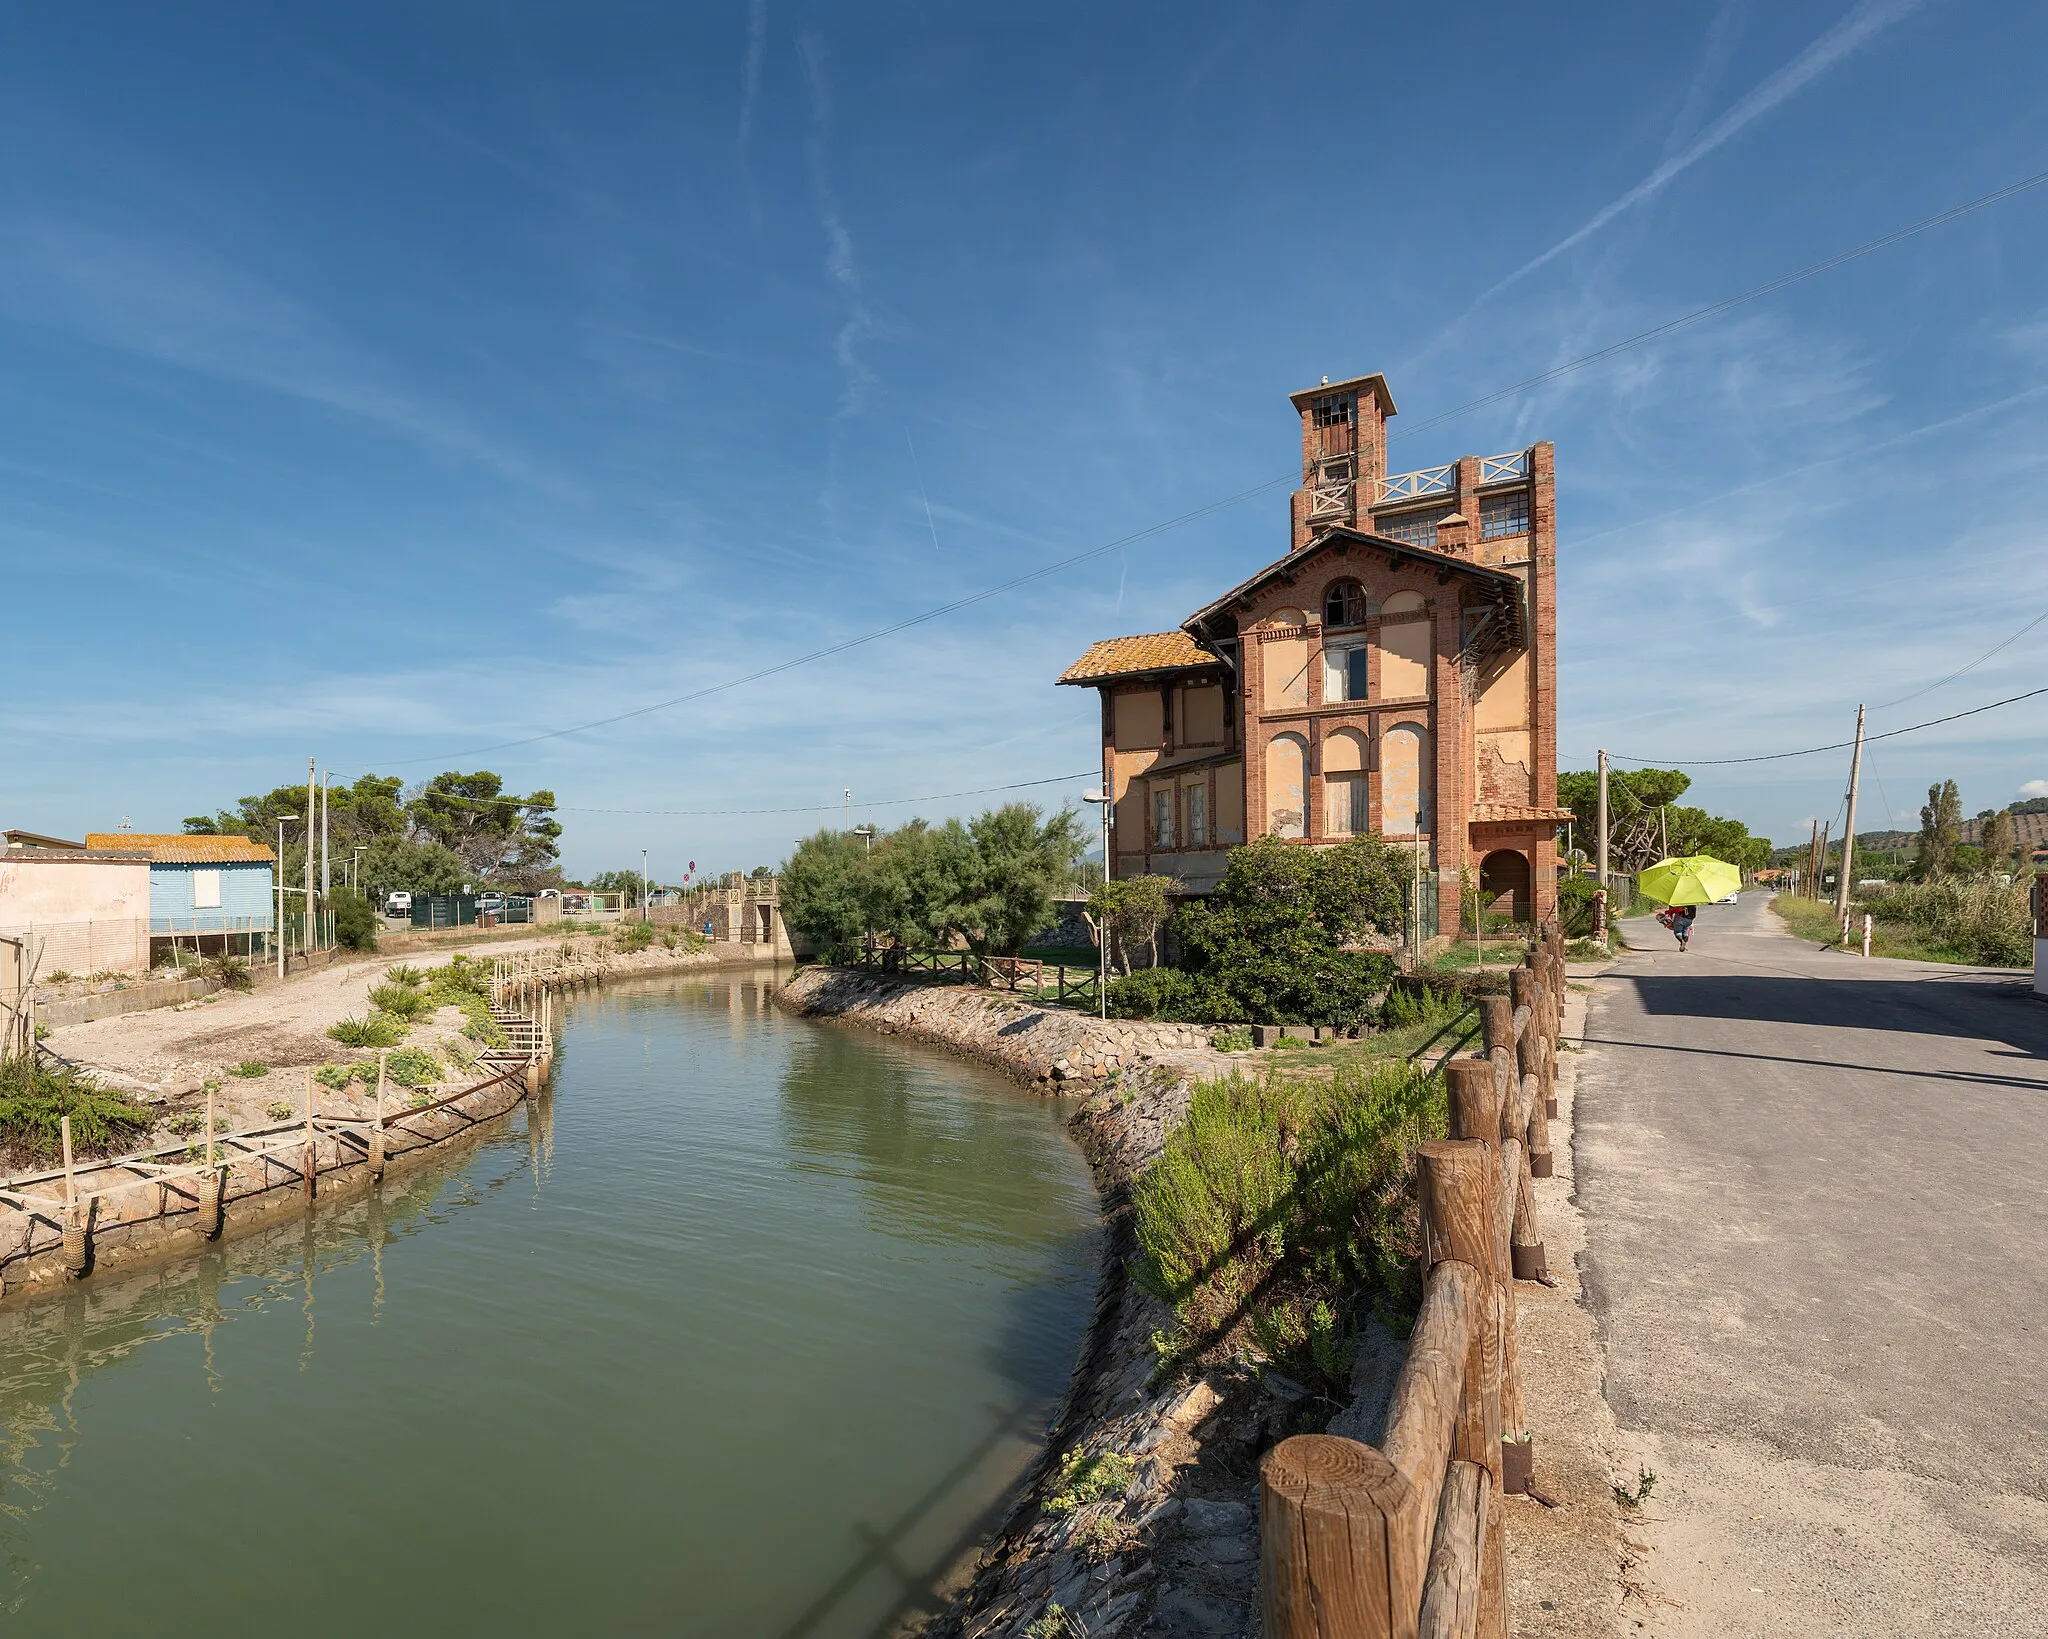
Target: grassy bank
{"type": "Point", "coordinates": [1975, 923]}
{"type": "Point", "coordinates": [1281, 1212]}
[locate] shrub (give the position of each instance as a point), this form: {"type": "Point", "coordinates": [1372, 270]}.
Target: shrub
{"type": "Point", "coordinates": [252, 1068]}
{"type": "Point", "coordinates": [1418, 1004]}
{"type": "Point", "coordinates": [1167, 993]}
{"type": "Point", "coordinates": [355, 920]}
{"type": "Point", "coordinates": [1269, 1176]}
{"type": "Point", "coordinates": [1085, 1479]}
{"type": "Point", "coordinates": [1575, 904]}
{"type": "Point", "coordinates": [400, 1001]}
{"type": "Point", "coordinates": [1974, 917]}
{"type": "Point", "coordinates": [1237, 1039]}
{"type": "Point", "coordinates": [413, 1067]}
{"type": "Point", "coordinates": [35, 1097]}
{"type": "Point", "coordinates": [278, 1110]}
{"type": "Point", "coordinates": [404, 974]}
{"type": "Point", "coordinates": [336, 1076]}
{"type": "Point", "coordinates": [633, 936]}
{"type": "Point", "coordinates": [378, 1030]}
{"type": "Point", "coordinates": [61, 976]}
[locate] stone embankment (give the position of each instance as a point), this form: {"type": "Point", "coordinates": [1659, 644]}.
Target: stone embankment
{"type": "Point", "coordinates": [1170, 1543]}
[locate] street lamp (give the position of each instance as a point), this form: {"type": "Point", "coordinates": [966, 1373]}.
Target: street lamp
{"type": "Point", "coordinates": [1101, 798]}
{"type": "Point", "coordinates": [281, 818]}
{"type": "Point", "coordinates": [643, 884]}
{"type": "Point", "coordinates": [867, 834]}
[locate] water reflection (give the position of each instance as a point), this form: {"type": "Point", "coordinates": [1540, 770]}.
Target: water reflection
{"type": "Point", "coordinates": [747, 1324]}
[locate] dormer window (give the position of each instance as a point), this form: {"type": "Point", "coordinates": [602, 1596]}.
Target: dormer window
{"type": "Point", "coordinates": [1344, 604]}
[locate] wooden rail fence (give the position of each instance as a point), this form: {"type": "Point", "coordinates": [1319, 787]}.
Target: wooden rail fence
{"type": "Point", "coordinates": [1406, 1541]}
{"type": "Point", "coordinates": [75, 1202]}
{"type": "Point", "coordinates": [1021, 975]}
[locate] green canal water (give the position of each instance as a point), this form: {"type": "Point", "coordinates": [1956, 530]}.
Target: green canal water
{"type": "Point", "coordinates": [741, 1332]}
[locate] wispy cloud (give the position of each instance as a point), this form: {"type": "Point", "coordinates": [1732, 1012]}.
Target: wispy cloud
{"type": "Point", "coordinates": [841, 266]}
{"type": "Point", "coordinates": [750, 97]}
{"type": "Point", "coordinates": [182, 305]}
{"type": "Point", "coordinates": [1862, 25]}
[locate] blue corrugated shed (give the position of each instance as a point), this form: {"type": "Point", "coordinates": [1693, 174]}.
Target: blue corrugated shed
{"type": "Point", "coordinates": [201, 884]}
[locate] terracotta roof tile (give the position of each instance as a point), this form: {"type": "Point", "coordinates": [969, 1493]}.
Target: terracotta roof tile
{"type": "Point", "coordinates": [1131, 656]}
{"type": "Point", "coordinates": [181, 849]}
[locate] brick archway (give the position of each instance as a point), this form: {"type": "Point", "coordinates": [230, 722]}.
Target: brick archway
{"type": "Point", "coordinates": [1504, 885]}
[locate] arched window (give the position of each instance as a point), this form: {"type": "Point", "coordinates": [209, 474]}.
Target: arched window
{"type": "Point", "coordinates": [1345, 813]}
{"type": "Point", "coordinates": [1344, 604]}
{"type": "Point", "coordinates": [1404, 780]}
{"type": "Point", "coordinates": [1286, 786]}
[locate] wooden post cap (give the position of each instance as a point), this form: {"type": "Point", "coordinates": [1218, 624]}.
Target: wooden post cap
{"type": "Point", "coordinates": [1474, 1100]}
{"type": "Point", "coordinates": [1333, 1522]}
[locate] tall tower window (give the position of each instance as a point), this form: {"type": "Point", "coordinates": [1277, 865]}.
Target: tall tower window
{"type": "Point", "coordinates": [1506, 514]}
{"type": "Point", "coordinates": [1332, 412]}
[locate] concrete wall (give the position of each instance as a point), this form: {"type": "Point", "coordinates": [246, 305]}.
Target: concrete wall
{"type": "Point", "coordinates": [82, 915]}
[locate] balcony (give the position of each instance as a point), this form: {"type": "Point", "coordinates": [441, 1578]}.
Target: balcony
{"type": "Point", "coordinates": [1428, 481]}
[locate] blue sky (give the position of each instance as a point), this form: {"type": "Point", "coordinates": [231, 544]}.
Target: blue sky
{"type": "Point", "coordinates": [390, 384]}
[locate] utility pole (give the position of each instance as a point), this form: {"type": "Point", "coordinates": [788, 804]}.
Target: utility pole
{"type": "Point", "coordinates": [312, 796]}
{"type": "Point", "coordinates": [1813, 860]}
{"type": "Point", "coordinates": [280, 891]}
{"type": "Point", "coordinates": [1849, 828]}
{"type": "Point", "coordinates": [846, 809]}
{"type": "Point", "coordinates": [1600, 857]}
{"type": "Point", "coordinates": [326, 803]}
{"type": "Point", "coordinates": [643, 885]}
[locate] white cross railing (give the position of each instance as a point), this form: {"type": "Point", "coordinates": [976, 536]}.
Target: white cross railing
{"type": "Point", "coordinates": [1327, 499]}
{"type": "Point", "coordinates": [1496, 469]}
{"type": "Point", "coordinates": [1407, 486]}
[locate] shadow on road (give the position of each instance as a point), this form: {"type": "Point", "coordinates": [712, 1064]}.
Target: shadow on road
{"type": "Point", "coordinates": [1969, 1006]}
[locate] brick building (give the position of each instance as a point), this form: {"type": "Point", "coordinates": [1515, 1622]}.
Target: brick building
{"type": "Point", "coordinates": [1395, 672]}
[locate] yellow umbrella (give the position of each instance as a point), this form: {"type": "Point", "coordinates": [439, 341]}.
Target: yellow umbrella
{"type": "Point", "coordinates": [1695, 879]}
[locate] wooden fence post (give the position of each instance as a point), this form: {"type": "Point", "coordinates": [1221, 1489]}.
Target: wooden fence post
{"type": "Point", "coordinates": [312, 1153]}
{"type": "Point", "coordinates": [377, 1126]}
{"type": "Point", "coordinates": [1334, 1528]}
{"type": "Point", "coordinates": [1459, 1197]}
{"type": "Point", "coordinates": [77, 1253]}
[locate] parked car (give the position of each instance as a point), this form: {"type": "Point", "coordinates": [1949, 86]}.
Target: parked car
{"type": "Point", "coordinates": [398, 904]}
{"type": "Point", "coordinates": [575, 902]}
{"type": "Point", "coordinates": [490, 902]}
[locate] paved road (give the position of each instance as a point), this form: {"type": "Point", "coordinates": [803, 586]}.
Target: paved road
{"type": "Point", "coordinates": [1816, 1192]}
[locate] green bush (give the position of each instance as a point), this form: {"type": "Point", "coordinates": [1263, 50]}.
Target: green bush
{"type": "Point", "coordinates": [401, 1002]}
{"type": "Point", "coordinates": [337, 1076]}
{"type": "Point", "coordinates": [1976, 918]}
{"type": "Point", "coordinates": [1084, 1479]}
{"type": "Point", "coordinates": [229, 971]}
{"type": "Point", "coordinates": [1237, 1039]}
{"type": "Point", "coordinates": [1575, 904]}
{"type": "Point", "coordinates": [278, 1110]}
{"type": "Point", "coordinates": [252, 1068]}
{"type": "Point", "coordinates": [34, 1099]}
{"type": "Point", "coordinates": [1270, 1177]}
{"type": "Point", "coordinates": [413, 1067]}
{"type": "Point", "coordinates": [1167, 993]}
{"type": "Point", "coordinates": [355, 920]}
{"type": "Point", "coordinates": [634, 936]}
{"type": "Point", "coordinates": [404, 974]}
{"type": "Point", "coordinates": [1419, 1004]}
{"type": "Point", "coordinates": [378, 1030]}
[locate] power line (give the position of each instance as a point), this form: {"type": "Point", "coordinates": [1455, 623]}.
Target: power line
{"type": "Point", "coordinates": [1585, 361]}
{"type": "Point", "coordinates": [1973, 665]}
{"type": "Point", "coordinates": [1839, 745]}
{"type": "Point", "coordinates": [874, 636]}
{"type": "Point", "coordinates": [799, 808]}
